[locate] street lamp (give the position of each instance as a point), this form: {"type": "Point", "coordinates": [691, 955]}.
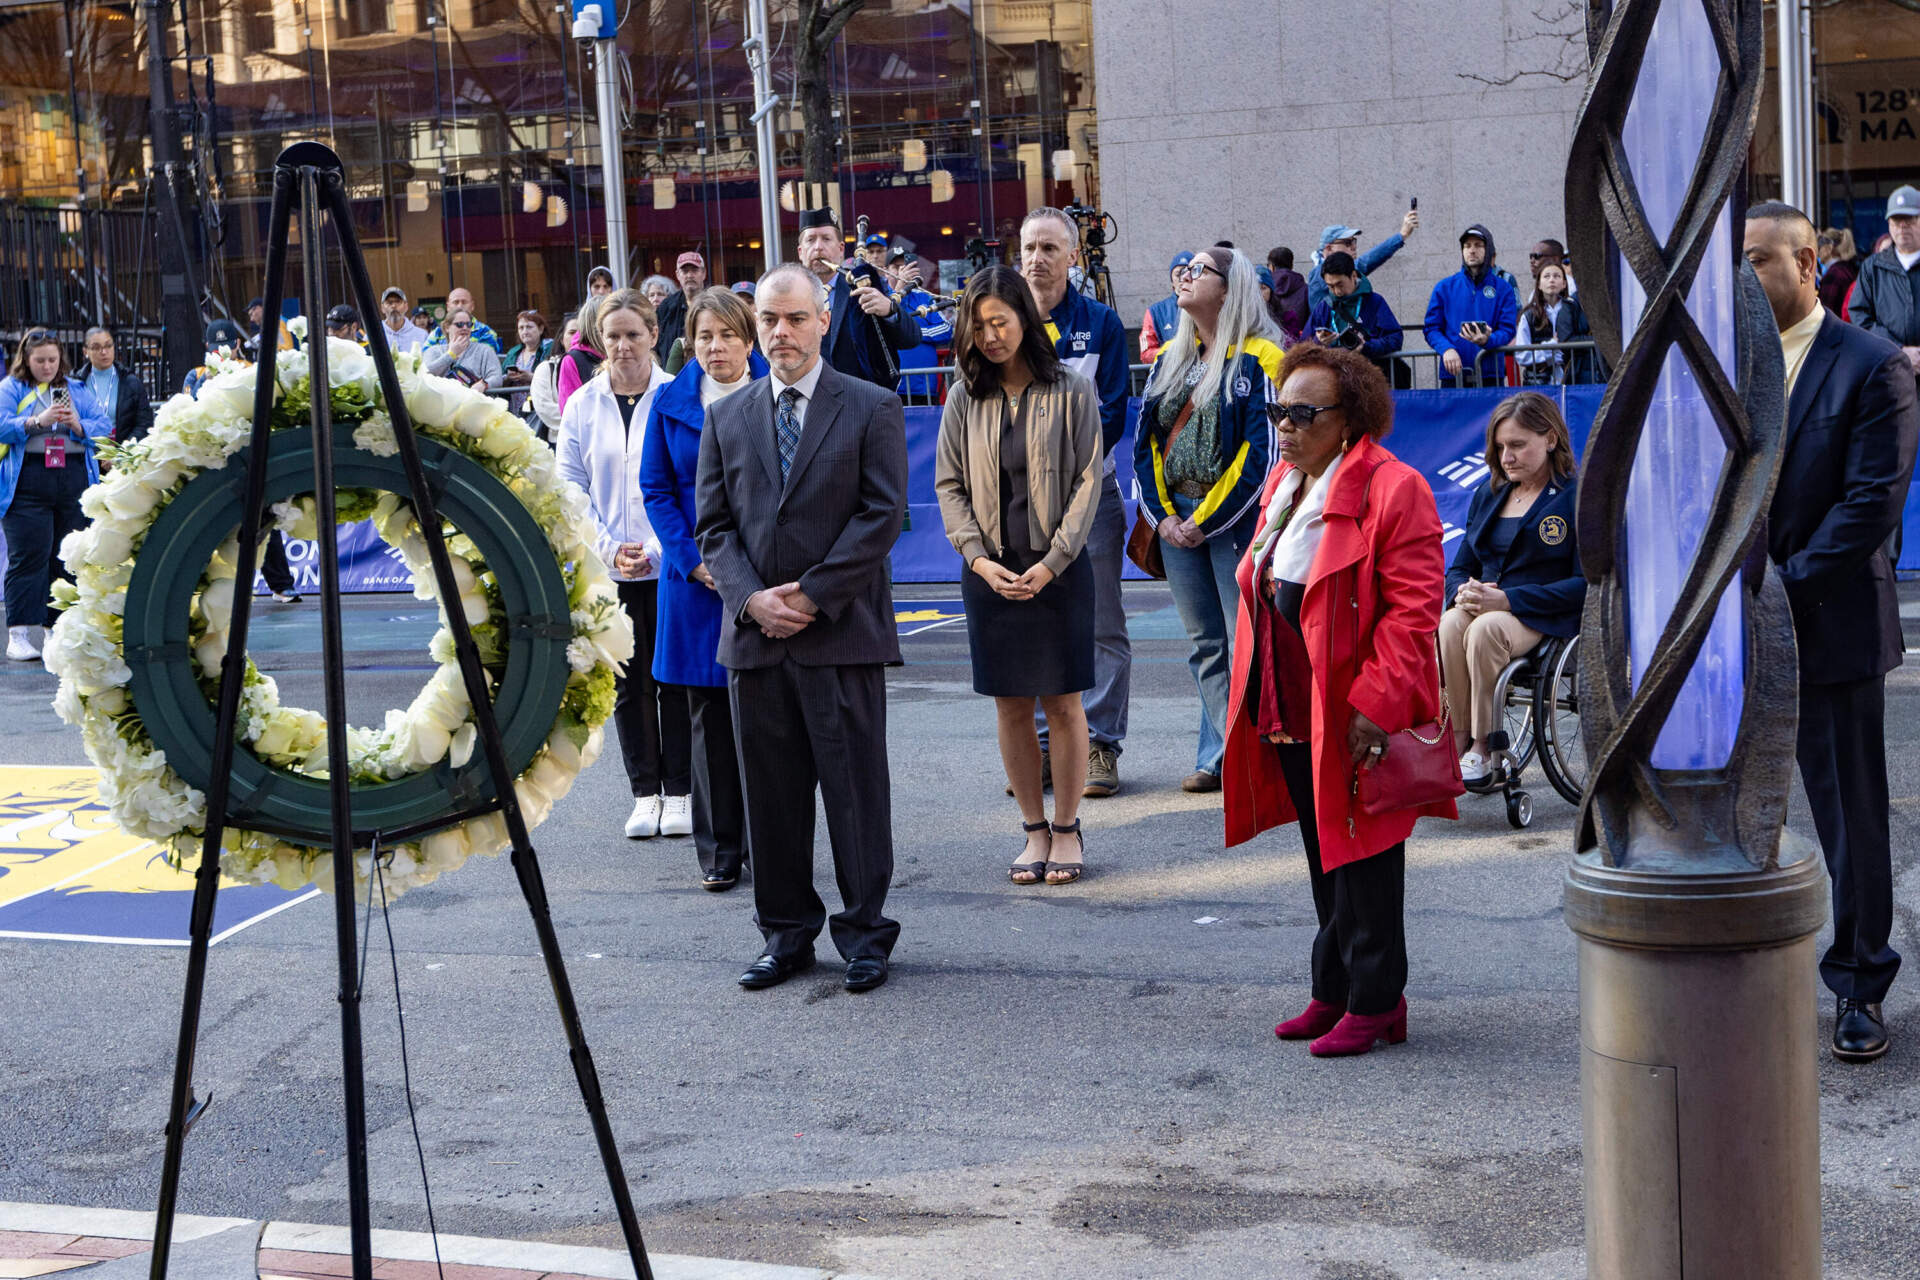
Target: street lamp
{"type": "Point", "coordinates": [1695, 911]}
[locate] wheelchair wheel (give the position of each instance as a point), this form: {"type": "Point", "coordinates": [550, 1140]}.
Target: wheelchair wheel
{"type": "Point", "coordinates": [1515, 700]}
{"type": "Point", "coordinates": [1519, 809]}
{"type": "Point", "coordinates": [1563, 752]}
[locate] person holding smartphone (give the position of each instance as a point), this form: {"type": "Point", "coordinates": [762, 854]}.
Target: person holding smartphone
{"type": "Point", "coordinates": [48, 425]}
{"type": "Point", "coordinates": [1472, 314]}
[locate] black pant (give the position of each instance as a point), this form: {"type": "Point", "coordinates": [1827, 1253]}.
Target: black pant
{"type": "Point", "coordinates": [1360, 953]}
{"type": "Point", "coordinates": [656, 738]}
{"type": "Point", "coordinates": [1843, 762]}
{"type": "Point", "coordinates": [719, 809]}
{"type": "Point", "coordinates": [273, 564]}
{"type": "Point", "coordinates": [45, 509]}
{"type": "Point", "coordinates": [798, 728]}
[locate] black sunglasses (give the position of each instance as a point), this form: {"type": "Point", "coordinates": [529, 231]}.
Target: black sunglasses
{"type": "Point", "coordinates": [1199, 267]}
{"type": "Point", "coordinates": [1302, 415]}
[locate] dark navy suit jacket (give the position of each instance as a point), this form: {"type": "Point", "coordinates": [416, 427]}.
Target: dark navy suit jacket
{"type": "Point", "coordinates": [1852, 426]}
{"type": "Point", "coordinates": [1541, 571]}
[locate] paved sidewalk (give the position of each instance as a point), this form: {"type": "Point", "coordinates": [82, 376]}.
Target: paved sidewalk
{"type": "Point", "coordinates": [46, 1240]}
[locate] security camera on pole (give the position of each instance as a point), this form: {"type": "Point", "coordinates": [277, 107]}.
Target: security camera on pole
{"type": "Point", "coordinates": [596, 22]}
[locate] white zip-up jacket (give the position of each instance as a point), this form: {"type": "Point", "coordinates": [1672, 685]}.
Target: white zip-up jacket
{"type": "Point", "coordinates": [601, 455]}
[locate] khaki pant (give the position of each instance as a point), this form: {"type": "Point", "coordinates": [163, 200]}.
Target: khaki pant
{"type": "Point", "coordinates": [1474, 650]}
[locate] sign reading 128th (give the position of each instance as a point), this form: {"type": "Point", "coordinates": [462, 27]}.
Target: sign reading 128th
{"type": "Point", "coordinates": [1883, 114]}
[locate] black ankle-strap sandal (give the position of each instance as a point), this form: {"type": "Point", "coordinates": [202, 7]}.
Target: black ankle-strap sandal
{"type": "Point", "coordinates": [1068, 872]}
{"type": "Point", "coordinates": [1034, 870]}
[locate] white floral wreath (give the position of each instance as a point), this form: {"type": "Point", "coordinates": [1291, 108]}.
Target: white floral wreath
{"type": "Point", "coordinates": [192, 434]}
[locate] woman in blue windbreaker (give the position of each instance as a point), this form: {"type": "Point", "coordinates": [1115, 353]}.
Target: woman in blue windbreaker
{"type": "Point", "coordinates": [1516, 575]}
{"type": "Point", "coordinates": [48, 427]}
{"type": "Point", "coordinates": [1201, 455]}
{"type": "Point", "coordinates": [721, 361]}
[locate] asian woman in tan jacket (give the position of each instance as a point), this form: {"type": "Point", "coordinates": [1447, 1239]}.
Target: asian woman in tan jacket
{"type": "Point", "coordinates": [1018, 474]}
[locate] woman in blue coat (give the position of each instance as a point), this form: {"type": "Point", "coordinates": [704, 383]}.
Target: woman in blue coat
{"type": "Point", "coordinates": [49, 424]}
{"type": "Point", "coordinates": [1516, 577]}
{"type": "Point", "coordinates": [687, 634]}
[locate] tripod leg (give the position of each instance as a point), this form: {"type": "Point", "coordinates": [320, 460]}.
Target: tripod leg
{"type": "Point", "coordinates": [232, 676]}
{"type": "Point", "coordinates": [340, 779]}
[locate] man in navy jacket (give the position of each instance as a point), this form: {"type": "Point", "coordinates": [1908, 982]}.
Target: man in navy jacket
{"type": "Point", "coordinates": [1090, 339]}
{"type": "Point", "coordinates": [1351, 314]}
{"type": "Point", "coordinates": [1852, 428]}
{"type": "Point", "coordinates": [1472, 314]}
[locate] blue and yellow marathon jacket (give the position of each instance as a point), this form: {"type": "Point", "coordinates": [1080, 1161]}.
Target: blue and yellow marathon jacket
{"type": "Point", "coordinates": [1089, 339]}
{"type": "Point", "coordinates": [1250, 381]}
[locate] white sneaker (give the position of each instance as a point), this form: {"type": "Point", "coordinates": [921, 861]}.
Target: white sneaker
{"type": "Point", "coordinates": [1473, 768]}
{"type": "Point", "coordinates": [676, 816]}
{"type": "Point", "coordinates": [644, 822]}
{"type": "Point", "coordinates": [20, 644]}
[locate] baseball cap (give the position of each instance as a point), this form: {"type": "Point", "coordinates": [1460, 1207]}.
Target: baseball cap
{"type": "Point", "coordinates": [1265, 275]}
{"type": "Point", "coordinates": [343, 314]}
{"type": "Point", "coordinates": [875, 239]}
{"type": "Point", "coordinates": [1180, 260]}
{"type": "Point", "coordinates": [394, 291]}
{"type": "Point", "coordinates": [223, 333]}
{"type": "Point", "coordinates": [897, 255]}
{"type": "Point", "coordinates": [689, 257]}
{"type": "Point", "coordinates": [743, 286]}
{"type": "Point", "coordinates": [1904, 203]}
{"type": "Point", "coordinates": [257, 302]}
{"type": "Point", "coordinates": [1338, 231]}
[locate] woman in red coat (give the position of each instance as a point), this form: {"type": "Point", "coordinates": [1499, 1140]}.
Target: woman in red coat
{"type": "Point", "coordinates": [1333, 656]}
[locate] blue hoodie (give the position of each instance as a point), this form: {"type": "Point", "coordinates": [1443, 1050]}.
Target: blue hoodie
{"type": "Point", "coordinates": [686, 640]}
{"type": "Point", "coordinates": [1473, 295]}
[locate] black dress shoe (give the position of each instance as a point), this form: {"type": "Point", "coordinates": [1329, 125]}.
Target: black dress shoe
{"type": "Point", "coordinates": [719, 881]}
{"type": "Point", "coordinates": [771, 970]}
{"type": "Point", "coordinates": [1859, 1031]}
{"type": "Point", "coordinates": [865, 973]}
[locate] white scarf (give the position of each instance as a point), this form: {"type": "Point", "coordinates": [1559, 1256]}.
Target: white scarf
{"type": "Point", "coordinates": [1289, 557]}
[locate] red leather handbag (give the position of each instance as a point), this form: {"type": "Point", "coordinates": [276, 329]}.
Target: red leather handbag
{"type": "Point", "coordinates": [1420, 766]}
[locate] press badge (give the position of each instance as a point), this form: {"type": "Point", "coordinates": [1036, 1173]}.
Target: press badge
{"type": "Point", "coordinates": [57, 452]}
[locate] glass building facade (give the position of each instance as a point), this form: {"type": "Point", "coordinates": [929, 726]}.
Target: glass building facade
{"type": "Point", "coordinates": [1866, 105]}
{"type": "Point", "coordinates": [471, 141]}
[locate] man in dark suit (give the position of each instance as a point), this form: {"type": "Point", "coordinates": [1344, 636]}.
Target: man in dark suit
{"type": "Point", "coordinates": [868, 325]}
{"type": "Point", "coordinates": [1852, 428]}
{"type": "Point", "coordinates": [801, 488]}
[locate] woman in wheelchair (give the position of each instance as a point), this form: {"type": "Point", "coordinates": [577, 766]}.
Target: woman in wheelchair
{"type": "Point", "coordinates": [1516, 575]}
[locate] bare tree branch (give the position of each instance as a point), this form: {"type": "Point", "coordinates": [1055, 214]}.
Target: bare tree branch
{"type": "Point", "coordinates": [1563, 25]}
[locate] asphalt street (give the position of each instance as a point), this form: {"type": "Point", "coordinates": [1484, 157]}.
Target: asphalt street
{"type": "Point", "coordinates": [1077, 1082]}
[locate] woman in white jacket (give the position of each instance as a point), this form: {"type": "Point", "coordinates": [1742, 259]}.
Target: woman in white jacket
{"type": "Point", "coordinates": [601, 433]}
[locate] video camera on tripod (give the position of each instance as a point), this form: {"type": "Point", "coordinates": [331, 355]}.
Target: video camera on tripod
{"type": "Point", "coordinates": [1097, 229]}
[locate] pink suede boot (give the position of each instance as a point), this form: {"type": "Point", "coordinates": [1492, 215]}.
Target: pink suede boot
{"type": "Point", "coordinates": [1318, 1019]}
{"type": "Point", "coordinates": [1357, 1032]}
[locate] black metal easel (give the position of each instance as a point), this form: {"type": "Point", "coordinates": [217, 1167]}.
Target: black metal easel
{"type": "Point", "coordinates": [309, 176]}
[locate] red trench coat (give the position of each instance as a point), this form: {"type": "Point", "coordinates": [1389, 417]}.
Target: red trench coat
{"type": "Point", "coordinates": [1369, 618]}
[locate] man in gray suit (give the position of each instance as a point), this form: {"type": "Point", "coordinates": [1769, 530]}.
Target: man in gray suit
{"type": "Point", "coordinates": [802, 483]}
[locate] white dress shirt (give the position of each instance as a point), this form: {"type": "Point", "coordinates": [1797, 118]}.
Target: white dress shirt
{"type": "Point", "coordinates": [805, 386]}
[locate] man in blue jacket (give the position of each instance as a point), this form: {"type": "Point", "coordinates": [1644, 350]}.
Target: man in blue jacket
{"type": "Point", "coordinates": [1352, 315]}
{"type": "Point", "coordinates": [1472, 314]}
{"type": "Point", "coordinates": [1344, 239]}
{"type": "Point", "coordinates": [1090, 339]}
{"type": "Point", "coordinates": [1163, 317]}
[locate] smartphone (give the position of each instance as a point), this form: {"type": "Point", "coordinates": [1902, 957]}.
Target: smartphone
{"type": "Point", "coordinates": [62, 398]}
{"type": "Point", "coordinates": [1415, 206]}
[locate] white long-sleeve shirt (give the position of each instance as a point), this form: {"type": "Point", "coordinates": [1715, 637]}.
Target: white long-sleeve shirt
{"type": "Point", "coordinates": [598, 452]}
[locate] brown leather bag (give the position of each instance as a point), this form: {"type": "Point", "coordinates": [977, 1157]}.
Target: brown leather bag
{"type": "Point", "coordinates": [1143, 542]}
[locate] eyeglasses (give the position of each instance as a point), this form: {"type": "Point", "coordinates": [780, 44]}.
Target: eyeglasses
{"type": "Point", "coordinates": [1197, 268]}
{"type": "Point", "coordinates": [37, 336]}
{"type": "Point", "coordinates": [1301, 415]}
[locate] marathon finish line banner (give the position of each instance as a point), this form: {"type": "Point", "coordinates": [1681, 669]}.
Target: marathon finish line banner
{"type": "Point", "coordinates": [1441, 434]}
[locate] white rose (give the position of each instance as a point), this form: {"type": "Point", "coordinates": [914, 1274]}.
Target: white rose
{"type": "Point", "coordinates": [229, 396]}
{"type": "Point", "coordinates": [216, 604]}
{"type": "Point", "coordinates": [596, 738]}
{"type": "Point", "coordinates": [535, 804]}
{"type": "Point", "coordinates": [433, 400]}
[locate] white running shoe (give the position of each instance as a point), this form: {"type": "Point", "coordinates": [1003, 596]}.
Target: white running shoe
{"type": "Point", "coordinates": [644, 822]}
{"type": "Point", "coordinates": [676, 816]}
{"type": "Point", "coordinates": [1473, 768]}
{"type": "Point", "coordinates": [21, 646]}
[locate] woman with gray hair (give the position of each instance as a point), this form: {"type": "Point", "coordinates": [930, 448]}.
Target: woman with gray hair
{"type": "Point", "coordinates": [1201, 455]}
{"type": "Point", "coordinates": [658, 289]}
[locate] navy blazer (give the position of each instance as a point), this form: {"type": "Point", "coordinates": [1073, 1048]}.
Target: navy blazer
{"type": "Point", "coordinates": [1852, 426]}
{"type": "Point", "coordinates": [686, 640]}
{"type": "Point", "coordinates": [1541, 572]}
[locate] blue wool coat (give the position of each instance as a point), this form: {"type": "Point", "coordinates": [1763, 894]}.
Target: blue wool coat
{"type": "Point", "coordinates": [686, 641]}
{"type": "Point", "coordinates": [1541, 571]}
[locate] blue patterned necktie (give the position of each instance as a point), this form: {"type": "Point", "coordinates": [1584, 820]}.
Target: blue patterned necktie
{"type": "Point", "coordinates": [787, 423]}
